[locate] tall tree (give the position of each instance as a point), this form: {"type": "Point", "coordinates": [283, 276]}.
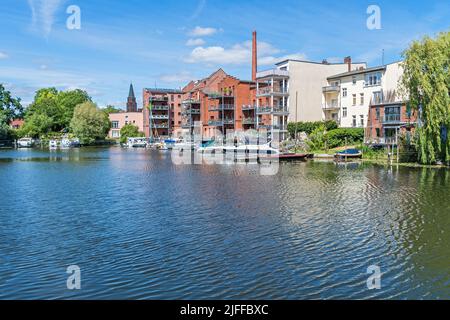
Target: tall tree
{"type": "Point", "coordinates": [68, 100]}
{"type": "Point", "coordinates": [10, 107]}
{"type": "Point", "coordinates": [89, 123]}
{"type": "Point", "coordinates": [426, 82]}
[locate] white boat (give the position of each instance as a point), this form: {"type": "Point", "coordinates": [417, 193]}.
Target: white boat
{"type": "Point", "coordinates": [25, 143]}
{"type": "Point", "coordinates": [53, 144]}
{"type": "Point", "coordinates": [137, 143]}
{"type": "Point", "coordinates": [65, 143]}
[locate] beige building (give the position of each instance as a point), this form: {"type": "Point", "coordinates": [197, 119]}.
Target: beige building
{"type": "Point", "coordinates": [347, 96]}
{"type": "Point", "coordinates": [304, 86]}
{"type": "Point", "coordinates": [119, 120]}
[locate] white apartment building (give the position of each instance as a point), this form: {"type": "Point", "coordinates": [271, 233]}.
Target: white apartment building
{"type": "Point", "coordinates": [304, 83]}
{"type": "Point", "coordinates": [347, 96]}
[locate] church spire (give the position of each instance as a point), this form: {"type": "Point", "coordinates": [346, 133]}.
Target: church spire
{"type": "Point", "coordinates": [131, 102]}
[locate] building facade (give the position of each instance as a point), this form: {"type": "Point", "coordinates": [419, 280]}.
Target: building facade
{"type": "Point", "coordinates": [121, 119]}
{"type": "Point", "coordinates": [348, 96]}
{"type": "Point", "coordinates": [162, 112]}
{"type": "Point", "coordinates": [305, 80]}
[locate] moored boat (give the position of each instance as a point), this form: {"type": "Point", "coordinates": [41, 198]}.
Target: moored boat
{"type": "Point", "coordinates": [348, 154]}
{"type": "Point", "coordinates": [53, 144]}
{"type": "Point", "coordinates": [25, 143]}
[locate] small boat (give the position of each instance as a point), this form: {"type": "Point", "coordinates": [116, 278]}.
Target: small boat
{"type": "Point", "coordinates": [137, 143]}
{"type": "Point", "coordinates": [348, 154]}
{"type": "Point", "coordinates": [286, 156]}
{"type": "Point", "coordinates": [53, 144]}
{"type": "Point", "coordinates": [25, 143]}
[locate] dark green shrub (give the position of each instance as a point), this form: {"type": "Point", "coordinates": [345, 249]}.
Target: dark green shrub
{"type": "Point", "coordinates": [340, 137]}
{"type": "Point", "coordinates": [309, 127]}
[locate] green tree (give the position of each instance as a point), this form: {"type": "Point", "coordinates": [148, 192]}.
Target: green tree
{"type": "Point", "coordinates": [36, 125]}
{"type": "Point", "coordinates": [111, 109]}
{"type": "Point", "coordinates": [426, 83]}
{"type": "Point", "coordinates": [10, 108]}
{"type": "Point", "coordinates": [67, 101]}
{"type": "Point", "coordinates": [89, 123]}
{"type": "Point", "coordinates": [129, 131]}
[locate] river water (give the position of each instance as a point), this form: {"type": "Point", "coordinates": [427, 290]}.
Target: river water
{"type": "Point", "coordinates": [140, 227]}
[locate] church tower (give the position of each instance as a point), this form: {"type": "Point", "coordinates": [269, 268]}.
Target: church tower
{"type": "Point", "coordinates": [131, 102]}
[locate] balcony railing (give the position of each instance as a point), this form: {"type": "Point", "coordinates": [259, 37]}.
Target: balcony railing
{"type": "Point", "coordinates": [191, 101]}
{"type": "Point", "coordinates": [332, 106]}
{"type": "Point", "coordinates": [249, 121]}
{"type": "Point", "coordinates": [159, 99]}
{"type": "Point", "coordinates": [273, 110]}
{"type": "Point", "coordinates": [275, 73]}
{"type": "Point", "coordinates": [160, 108]}
{"type": "Point", "coordinates": [160, 117]}
{"type": "Point", "coordinates": [248, 108]}
{"type": "Point", "coordinates": [331, 89]}
{"type": "Point", "coordinates": [221, 107]}
{"type": "Point", "coordinates": [190, 111]}
{"type": "Point", "coordinates": [219, 123]}
{"type": "Point", "coordinates": [392, 118]}
{"type": "Point", "coordinates": [272, 91]}
{"type": "Point", "coordinates": [161, 126]}
{"type": "Point", "coordinates": [273, 127]}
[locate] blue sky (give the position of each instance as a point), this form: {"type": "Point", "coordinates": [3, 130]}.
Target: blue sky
{"type": "Point", "coordinates": [166, 43]}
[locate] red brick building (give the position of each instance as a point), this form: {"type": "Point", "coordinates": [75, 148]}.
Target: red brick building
{"type": "Point", "coordinates": [387, 119]}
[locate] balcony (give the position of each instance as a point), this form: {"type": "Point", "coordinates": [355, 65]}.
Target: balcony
{"type": "Point", "coordinates": [392, 119]}
{"type": "Point", "coordinates": [279, 110]}
{"type": "Point", "coordinates": [330, 106]}
{"type": "Point", "coordinates": [190, 101]}
{"type": "Point", "coordinates": [249, 121]}
{"type": "Point", "coordinates": [248, 108]}
{"type": "Point", "coordinates": [159, 99]}
{"type": "Point", "coordinates": [331, 89]}
{"type": "Point", "coordinates": [220, 123]}
{"type": "Point", "coordinates": [160, 108]}
{"type": "Point", "coordinates": [160, 126]}
{"type": "Point", "coordinates": [160, 117]}
{"type": "Point", "coordinates": [274, 73]}
{"type": "Point", "coordinates": [190, 111]}
{"type": "Point", "coordinates": [273, 127]}
{"type": "Point", "coordinates": [267, 92]}
{"type": "Point", "coordinates": [221, 107]}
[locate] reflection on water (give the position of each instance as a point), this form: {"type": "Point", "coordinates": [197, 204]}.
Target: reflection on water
{"type": "Point", "coordinates": [141, 228]}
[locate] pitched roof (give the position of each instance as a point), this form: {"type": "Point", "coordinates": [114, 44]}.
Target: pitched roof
{"type": "Point", "coordinates": [354, 72]}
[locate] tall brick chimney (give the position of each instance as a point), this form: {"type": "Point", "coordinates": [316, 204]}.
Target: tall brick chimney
{"type": "Point", "coordinates": [348, 60]}
{"type": "Point", "coordinates": [254, 57]}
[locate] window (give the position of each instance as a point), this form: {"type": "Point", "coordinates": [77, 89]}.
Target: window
{"type": "Point", "coordinates": [115, 124]}
{"type": "Point", "coordinates": [362, 120]}
{"type": "Point", "coordinates": [115, 134]}
{"type": "Point", "coordinates": [377, 114]}
{"type": "Point", "coordinates": [354, 121]}
{"type": "Point", "coordinates": [354, 80]}
{"type": "Point", "coordinates": [344, 92]}
{"type": "Point", "coordinates": [373, 79]}
{"type": "Point", "coordinates": [377, 97]}
{"type": "Point", "coordinates": [344, 112]}
{"type": "Point", "coordinates": [361, 102]}
{"type": "Point", "coordinates": [172, 98]}
{"type": "Point", "coordinates": [378, 132]}
{"type": "Point", "coordinates": [354, 99]}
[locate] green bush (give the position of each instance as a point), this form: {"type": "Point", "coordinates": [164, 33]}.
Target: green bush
{"type": "Point", "coordinates": [309, 127]}
{"type": "Point", "coordinates": [340, 137]}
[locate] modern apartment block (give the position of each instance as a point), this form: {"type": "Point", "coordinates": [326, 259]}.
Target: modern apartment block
{"type": "Point", "coordinates": [303, 83]}
{"type": "Point", "coordinates": [347, 96]}
{"type": "Point", "coordinates": [217, 101]}
{"type": "Point", "coordinates": [162, 112]}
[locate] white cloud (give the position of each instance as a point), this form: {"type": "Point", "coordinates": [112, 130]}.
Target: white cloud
{"type": "Point", "coordinates": [43, 14]}
{"type": "Point", "coordinates": [178, 77]}
{"type": "Point", "coordinates": [239, 54]}
{"type": "Point", "coordinates": [3, 55]}
{"type": "Point", "coordinates": [203, 32]}
{"type": "Point", "coordinates": [195, 42]}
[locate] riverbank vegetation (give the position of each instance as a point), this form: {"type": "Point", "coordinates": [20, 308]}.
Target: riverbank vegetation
{"type": "Point", "coordinates": [130, 131]}
{"type": "Point", "coordinates": [10, 109]}
{"type": "Point", "coordinates": [426, 82]}
{"type": "Point", "coordinates": [89, 123]}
